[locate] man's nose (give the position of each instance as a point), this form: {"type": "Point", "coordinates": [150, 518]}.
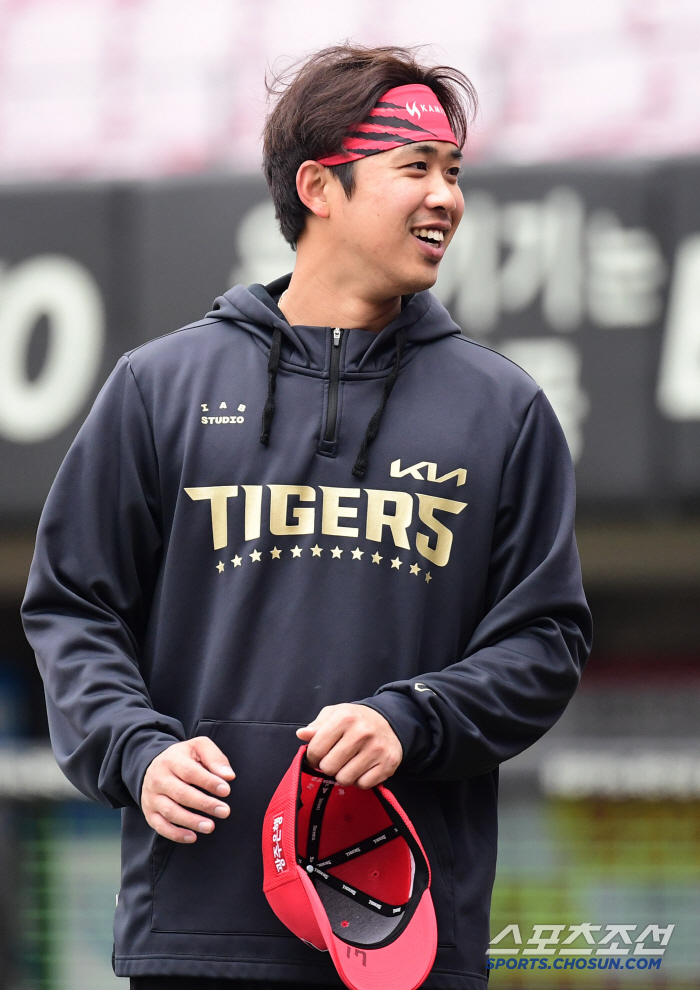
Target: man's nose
{"type": "Point", "coordinates": [441, 195]}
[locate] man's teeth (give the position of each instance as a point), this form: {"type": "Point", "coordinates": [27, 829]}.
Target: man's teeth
{"type": "Point", "coordinates": [432, 235]}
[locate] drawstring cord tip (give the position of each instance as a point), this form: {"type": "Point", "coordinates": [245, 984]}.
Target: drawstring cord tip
{"type": "Point", "coordinates": [272, 369]}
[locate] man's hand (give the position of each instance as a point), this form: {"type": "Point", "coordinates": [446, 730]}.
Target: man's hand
{"type": "Point", "coordinates": [170, 789]}
{"type": "Point", "coordinates": [352, 743]}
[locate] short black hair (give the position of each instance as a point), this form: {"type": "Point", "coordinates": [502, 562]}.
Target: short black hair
{"type": "Point", "coordinates": [318, 99]}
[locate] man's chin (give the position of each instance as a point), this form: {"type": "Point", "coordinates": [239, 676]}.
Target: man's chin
{"type": "Point", "coordinates": [405, 280]}
{"type": "Point", "coordinates": [419, 281]}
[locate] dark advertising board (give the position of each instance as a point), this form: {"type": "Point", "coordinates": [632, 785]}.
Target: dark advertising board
{"type": "Point", "coordinates": [677, 210]}
{"type": "Point", "coordinates": [58, 331]}
{"type": "Point", "coordinates": [86, 273]}
{"type": "Point", "coordinates": [186, 240]}
{"type": "Point", "coordinates": [558, 269]}
{"type": "Point", "coordinates": [586, 276]}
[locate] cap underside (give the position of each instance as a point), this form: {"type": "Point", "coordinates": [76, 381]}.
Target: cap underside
{"type": "Point", "coordinates": [367, 870]}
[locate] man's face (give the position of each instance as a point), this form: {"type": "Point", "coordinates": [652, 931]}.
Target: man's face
{"type": "Point", "coordinates": [402, 214]}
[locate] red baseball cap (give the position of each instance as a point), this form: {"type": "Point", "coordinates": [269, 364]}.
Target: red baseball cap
{"type": "Point", "coordinates": [345, 871]}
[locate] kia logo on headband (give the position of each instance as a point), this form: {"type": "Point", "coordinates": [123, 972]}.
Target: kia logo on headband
{"type": "Point", "coordinates": [426, 109]}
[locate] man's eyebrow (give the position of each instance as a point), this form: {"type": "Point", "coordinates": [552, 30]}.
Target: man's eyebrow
{"type": "Point", "coordinates": [428, 149]}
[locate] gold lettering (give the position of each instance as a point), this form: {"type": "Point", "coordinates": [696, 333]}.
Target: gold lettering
{"type": "Point", "coordinates": [218, 496]}
{"type": "Point", "coordinates": [332, 511]}
{"type": "Point", "coordinates": [398, 523]}
{"type": "Point", "coordinates": [278, 510]}
{"type": "Point", "coordinates": [427, 504]}
{"type": "Point", "coordinates": [253, 510]}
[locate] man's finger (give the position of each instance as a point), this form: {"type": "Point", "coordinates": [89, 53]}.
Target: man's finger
{"type": "Point", "coordinates": [177, 815]}
{"type": "Point", "coordinates": [375, 775]}
{"type": "Point", "coordinates": [190, 797]}
{"type": "Point", "coordinates": [325, 738]}
{"type": "Point", "coordinates": [343, 738]}
{"type": "Point", "coordinates": [370, 767]}
{"type": "Point", "coordinates": [211, 757]}
{"type": "Point", "coordinates": [346, 749]}
{"type": "Point", "coordinates": [192, 772]}
{"type": "Point", "coordinates": [308, 732]}
{"type": "Point", "coordinates": [348, 768]}
{"type": "Point", "coordinates": [163, 827]}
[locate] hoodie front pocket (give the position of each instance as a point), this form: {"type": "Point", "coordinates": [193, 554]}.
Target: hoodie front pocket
{"type": "Point", "coordinates": [214, 886]}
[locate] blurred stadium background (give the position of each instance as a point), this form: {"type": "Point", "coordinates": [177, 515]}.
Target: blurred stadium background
{"type": "Point", "coordinates": [129, 198]}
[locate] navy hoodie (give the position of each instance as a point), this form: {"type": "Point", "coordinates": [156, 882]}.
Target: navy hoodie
{"type": "Point", "coordinates": [191, 580]}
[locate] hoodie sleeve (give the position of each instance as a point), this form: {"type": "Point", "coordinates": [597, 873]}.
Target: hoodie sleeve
{"type": "Point", "coordinates": [525, 658]}
{"type": "Point", "coordinates": [88, 598]}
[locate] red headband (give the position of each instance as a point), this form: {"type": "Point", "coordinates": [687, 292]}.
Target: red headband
{"type": "Point", "coordinates": [404, 115]}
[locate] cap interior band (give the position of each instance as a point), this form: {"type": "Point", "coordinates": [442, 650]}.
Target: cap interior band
{"type": "Point", "coordinates": [357, 917]}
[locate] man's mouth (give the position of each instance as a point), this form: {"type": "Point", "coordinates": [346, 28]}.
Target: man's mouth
{"type": "Point", "coordinates": [429, 235]}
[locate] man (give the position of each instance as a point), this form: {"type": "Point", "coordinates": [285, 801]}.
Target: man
{"type": "Point", "coordinates": [385, 569]}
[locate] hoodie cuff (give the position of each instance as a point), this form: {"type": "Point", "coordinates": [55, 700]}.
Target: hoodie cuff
{"type": "Point", "coordinates": [139, 752]}
{"type": "Point", "coordinates": [403, 717]}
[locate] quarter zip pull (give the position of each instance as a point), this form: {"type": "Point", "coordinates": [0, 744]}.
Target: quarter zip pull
{"type": "Point", "coordinates": [333, 386]}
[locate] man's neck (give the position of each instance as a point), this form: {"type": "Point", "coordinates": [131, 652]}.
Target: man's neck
{"type": "Point", "coordinates": [317, 301]}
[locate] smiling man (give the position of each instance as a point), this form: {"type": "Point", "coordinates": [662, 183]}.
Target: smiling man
{"type": "Point", "coordinates": [319, 514]}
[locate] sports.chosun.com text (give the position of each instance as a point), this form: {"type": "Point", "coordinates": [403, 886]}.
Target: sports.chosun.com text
{"type": "Point", "coordinates": [544, 963]}
{"type": "Point", "coordinates": [618, 948]}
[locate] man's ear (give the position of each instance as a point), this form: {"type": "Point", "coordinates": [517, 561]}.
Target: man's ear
{"type": "Point", "coordinates": [312, 182]}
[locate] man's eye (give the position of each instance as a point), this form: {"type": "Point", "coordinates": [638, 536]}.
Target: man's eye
{"type": "Point", "coordinates": [453, 171]}
{"type": "Point", "coordinates": [423, 166]}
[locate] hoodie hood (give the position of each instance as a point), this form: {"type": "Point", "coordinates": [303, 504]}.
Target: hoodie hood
{"type": "Point", "coordinates": [422, 318]}
{"type": "Point", "coordinates": [356, 352]}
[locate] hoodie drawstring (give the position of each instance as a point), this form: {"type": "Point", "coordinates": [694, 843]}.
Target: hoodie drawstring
{"type": "Point", "coordinates": [360, 466]}
{"type": "Point", "coordinates": [272, 369]}
{"type": "Point", "coordinates": [373, 426]}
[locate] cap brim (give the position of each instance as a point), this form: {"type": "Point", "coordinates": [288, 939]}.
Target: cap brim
{"type": "Point", "coordinates": [402, 965]}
